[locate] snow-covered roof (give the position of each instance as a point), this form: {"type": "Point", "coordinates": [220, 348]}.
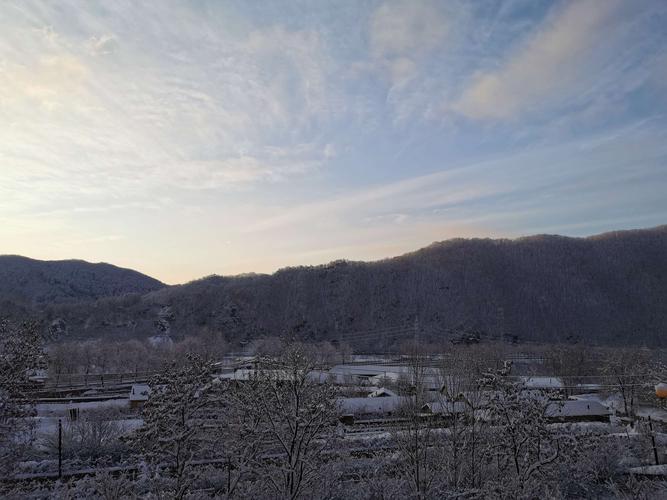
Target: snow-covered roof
{"type": "Point", "coordinates": [588, 387]}
{"type": "Point", "coordinates": [444, 407]}
{"type": "Point", "coordinates": [576, 408]}
{"type": "Point", "coordinates": [432, 377]}
{"type": "Point", "coordinates": [391, 376]}
{"type": "Point", "coordinates": [373, 370]}
{"type": "Point", "coordinates": [248, 374]}
{"type": "Point", "coordinates": [139, 392]}
{"type": "Point", "coordinates": [541, 382]}
{"type": "Point", "coordinates": [388, 404]}
{"type": "Point", "coordinates": [649, 470]}
{"type": "Point", "coordinates": [366, 370]}
{"type": "Point", "coordinates": [382, 392]}
{"type": "Point", "coordinates": [315, 376]}
{"type": "Point", "coordinates": [38, 375]}
{"type": "Point", "coordinates": [318, 376]}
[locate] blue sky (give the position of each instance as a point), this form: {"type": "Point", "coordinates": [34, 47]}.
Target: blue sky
{"type": "Point", "coordinates": [190, 138]}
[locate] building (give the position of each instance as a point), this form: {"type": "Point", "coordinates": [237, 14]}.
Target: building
{"type": "Point", "coordinates": [444, 407]}
{"type": "Point", "coordinates": [542, 383]}
{"type": "Point", "coordinates": [379, 375]}
{"type": "Point", "coordinates": [581, 410]}
{"type": "Point", "coordinates": [139, 395]}
{"type": "Point", "coordinates": [378, 406]}
{"type": "Point", "coordinates": [382, 392]}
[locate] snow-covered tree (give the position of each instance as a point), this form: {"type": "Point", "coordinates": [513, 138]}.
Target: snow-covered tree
{"type": "Point", "coordinates": [173, 435]}
{"type": "Point", "coordinates": [293, 416]}
{"type": "Point", "coordinates": [462, 401]}
{"type": "Point", "coordinates": [522, 443]}
{"type": "Point", "coordinates": [628, 370]}
{"type": "Point", "coordinates": [420, 447]}
{"type": "Point", "coordinates": [20, 356]}
{"type": "Point", "coordinates": [236, 435]}
{"type": "Point", "coordinates": [420, 452]}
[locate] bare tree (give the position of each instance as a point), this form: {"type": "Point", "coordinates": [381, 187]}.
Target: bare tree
{"type": "Point", "coordinates": [268, 346]}
{"type": "Point", "coordinates": [419, 449]}
{"type": "Point", "coordinates": [209, 344]}
{"type": "Point", "coordinates": [462, 401]}
{"type": "Point", "coordinates": [628, 369]}
{"type": "Point", "coordinates": [96, 434]}
{"type": "Point", "coordinates": [345, 352]}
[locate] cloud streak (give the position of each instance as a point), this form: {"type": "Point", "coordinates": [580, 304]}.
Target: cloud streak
{"type": "Point", "coordinates": [561, 59]}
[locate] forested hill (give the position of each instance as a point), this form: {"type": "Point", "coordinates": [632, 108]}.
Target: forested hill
{"type": "Point", "coordinates": [37, 282]}
{"type": "Point", "coordinates": [605, 289]}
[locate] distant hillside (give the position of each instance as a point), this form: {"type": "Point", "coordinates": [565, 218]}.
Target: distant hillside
{"type": "Point", "coordinates": [605, 289]}
{"type": "Point", "coordinates": [35, 282]}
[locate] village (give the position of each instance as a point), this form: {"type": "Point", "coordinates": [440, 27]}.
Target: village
{"type": "Point", "coordinates": [376, 397]}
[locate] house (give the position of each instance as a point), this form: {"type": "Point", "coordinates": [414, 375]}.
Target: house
{"type": "Point", "coordinates": [38, 376]}
{"type": "Point", "coordinates": [379, 374]}
{"type": "Point", "coordinates": [444, 407]}
{"type": "Point", "coordinates": [387, 377]}
{"type": "Point", "coordinates": [541, 383]}
{"type": "Point", "coordinates": [139, 395]}
{"type": "Point", "coordinates": [581, 410]}
{"type": "Point", "coordinates": [446, 410]}
{"type": "Point", "coordinates": [382, 392]}
{"type": "Point", "coordinates": [245, 374]}
{"type": "Point", "coordinates": [377, 406]}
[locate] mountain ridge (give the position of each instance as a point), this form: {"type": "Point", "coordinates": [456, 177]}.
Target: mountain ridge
{"type": "Point", "coordinates": [34, 281]}
{"type": "Point", "coordinates": [609, 288]}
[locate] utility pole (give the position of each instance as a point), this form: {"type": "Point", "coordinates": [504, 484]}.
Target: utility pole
{"type": "Point", "coordinates": [340, 340]}
{"type": "Point", "coordinates": [655, 450]}
{"type": "Point", "coordinates": [416, 330]}
{"type": "Point", "coordinates": [60, 448]}
{"type": "Point", "coordinates": [501, 323]}
{"type": "Point", "coordinates": [229, 474]}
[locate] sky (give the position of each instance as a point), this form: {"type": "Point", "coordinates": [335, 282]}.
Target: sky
{"type": "Point", "coordinates": [184, 139]}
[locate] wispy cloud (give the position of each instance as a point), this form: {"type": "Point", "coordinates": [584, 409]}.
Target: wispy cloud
{"type": "Point", "coordinates": [90, 110]}
{"type": "Point", "coordinates": [401, 32]}
{"type": "Point", "coordinates": [322, 130]}
{"type": "Point", "coordinates": [564, 57]}
{"type": "Point", "coordinates": [535, 182]}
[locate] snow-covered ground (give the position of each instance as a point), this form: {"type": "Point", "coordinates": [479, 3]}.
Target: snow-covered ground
{"type": "Point", "coordinates": [615, 402]}
{"type": "Point", "coordinates": [657, 414]}
{"type": "Point", "coordinates": [48, 426]}
{"type": "Point", "coordinates": [48, 414]}
{"type": "Point", "coordinates": [61, 409]}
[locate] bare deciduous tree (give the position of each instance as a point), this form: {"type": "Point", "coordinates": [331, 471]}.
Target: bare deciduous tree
{"type": "Point", "coordinates": [628, 369]}
{"type": "Point", "coordinates": [417, 441]}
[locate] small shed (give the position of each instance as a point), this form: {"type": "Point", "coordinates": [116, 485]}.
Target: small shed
{"type": "Point", "coordinates": [139, 395]}
{"type": "Point", "coordinates": [72, 412]}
